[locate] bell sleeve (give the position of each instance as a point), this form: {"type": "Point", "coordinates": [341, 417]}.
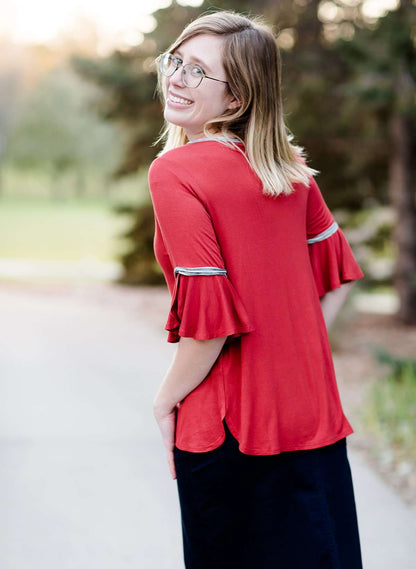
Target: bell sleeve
{"type": "Point", "coordinates": [204, 303]}
{"type": "Point", "coordinates": [333, 262]}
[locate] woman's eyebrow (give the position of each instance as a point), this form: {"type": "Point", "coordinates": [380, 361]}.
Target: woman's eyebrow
{"type": "Point", "coordinates": [194, 60]}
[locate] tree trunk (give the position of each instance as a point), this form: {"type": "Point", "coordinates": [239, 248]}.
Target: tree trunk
{"type": "Point", "coordinates": [310, 27]}
{"type": "Point", "coordinates": [402, 192]}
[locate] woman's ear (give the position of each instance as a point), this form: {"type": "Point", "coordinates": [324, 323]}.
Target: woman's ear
{"type": "Point", "coordinates": [234, 104]}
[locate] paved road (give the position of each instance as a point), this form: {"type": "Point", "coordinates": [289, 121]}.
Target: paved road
{"type": "Point", "coordinates": [83, 478]}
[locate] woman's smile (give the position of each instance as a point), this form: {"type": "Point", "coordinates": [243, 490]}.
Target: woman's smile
{"type": "Point", "coordinates": [177, 100]}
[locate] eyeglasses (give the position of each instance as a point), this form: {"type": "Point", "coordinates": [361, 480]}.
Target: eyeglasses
{"type": "Point", "coordinates": [192, 74]}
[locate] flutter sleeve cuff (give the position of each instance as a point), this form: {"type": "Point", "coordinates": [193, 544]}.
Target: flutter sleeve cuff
{"type": "Point", "coordinates": [333, 262]}
{"type": "Point", "coordinates": [206, 306]}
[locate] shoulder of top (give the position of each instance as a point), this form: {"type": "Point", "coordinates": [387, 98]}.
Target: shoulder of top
{"type": "Point", "coordinates": [165, 165]}
{"type": "Point", "coordinates": [170, 155]}
{"type": "Point", "coordinates": [172, 164]}
{"type": "Point", "coordinates": [194, 149]}
{"type": "Point", "coordinates": [159, 163]}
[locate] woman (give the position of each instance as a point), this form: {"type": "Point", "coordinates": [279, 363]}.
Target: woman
{"type": "Point", "coordinates": [249, 410]}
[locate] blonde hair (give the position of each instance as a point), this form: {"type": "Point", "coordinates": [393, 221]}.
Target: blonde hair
{"type": "Point", "coordinates": [252, 65]}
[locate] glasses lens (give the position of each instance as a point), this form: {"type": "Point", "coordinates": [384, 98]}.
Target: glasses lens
{"type": "Point", "coordinates": [192, 75]}
{"type": "Point", "coordinates": [168, 64]}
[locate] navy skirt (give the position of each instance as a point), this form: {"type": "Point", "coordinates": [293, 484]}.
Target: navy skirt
{"type": "Point", "coordinates": [293, 510]}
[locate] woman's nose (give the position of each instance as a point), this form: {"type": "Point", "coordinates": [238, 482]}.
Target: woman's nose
{"type": "Point", "coordinates": [176, 78]}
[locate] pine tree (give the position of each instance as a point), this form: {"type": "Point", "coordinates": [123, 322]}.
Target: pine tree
{"type": "Point", "coordinates": [383, 80]}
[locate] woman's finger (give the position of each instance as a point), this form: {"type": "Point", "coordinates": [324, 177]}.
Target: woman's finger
{"type": "Point", "coordinates": [167, 425]}
{"type": "Point", "coordinates": [171, 462]}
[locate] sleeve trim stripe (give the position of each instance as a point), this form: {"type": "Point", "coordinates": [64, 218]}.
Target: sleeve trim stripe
{"type": "Point", "coordinates": [325, 234]}
{"type": "Point", "coordinates": [190, 271]}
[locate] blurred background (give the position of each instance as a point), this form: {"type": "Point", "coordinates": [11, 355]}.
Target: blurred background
{"type": "Point", "coordinates": [78, 121]}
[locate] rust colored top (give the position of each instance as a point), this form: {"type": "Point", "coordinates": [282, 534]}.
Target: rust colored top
{"type": "Point", "coordinates": [251, 267]}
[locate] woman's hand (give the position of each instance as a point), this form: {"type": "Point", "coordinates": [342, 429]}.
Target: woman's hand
{"type": "Point", "coordinates": [192, 363]}
{"type": "Point", "coordinates": [166, 419]}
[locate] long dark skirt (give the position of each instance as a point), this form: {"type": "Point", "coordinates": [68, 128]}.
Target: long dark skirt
{"type": "Point", "coordinates": [293, 510]}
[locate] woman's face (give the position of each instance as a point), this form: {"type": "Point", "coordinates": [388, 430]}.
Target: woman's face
{"type": "Point", "coordinates": [207, 101]}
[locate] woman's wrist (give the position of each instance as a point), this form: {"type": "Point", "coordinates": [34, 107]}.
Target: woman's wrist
{"type": "Point", "coordinates": [192, 363]}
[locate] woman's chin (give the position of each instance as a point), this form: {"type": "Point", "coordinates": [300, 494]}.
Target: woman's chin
{"type": "Point", "coordinates": [173, 118]}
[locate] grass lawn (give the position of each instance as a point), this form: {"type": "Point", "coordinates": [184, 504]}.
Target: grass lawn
{"type": "Point", "coordinates": [37, 228]}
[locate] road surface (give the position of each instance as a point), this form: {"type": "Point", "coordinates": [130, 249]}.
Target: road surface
{"type": "Point", "coordinates": [83, 478]}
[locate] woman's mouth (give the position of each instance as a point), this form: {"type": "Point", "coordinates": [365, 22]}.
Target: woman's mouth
{"type": "Point", "coordinates": [179, 100]}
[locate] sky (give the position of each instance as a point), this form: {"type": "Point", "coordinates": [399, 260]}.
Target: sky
{"type": "Point", "coordinates": [42, 21]}
{"type": "Point", "coordinates": [119, 23]}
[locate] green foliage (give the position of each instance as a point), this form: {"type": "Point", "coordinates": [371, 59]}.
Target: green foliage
{"type": "Point", "coordinates": [126, 98]}
{"type": "Point", "coordinates": [401, 368]}
{"type": "Point", "coordinates": [58, 129]}
{"type": "Point", "coordinates": [139, 263]}
{"type": "Point", "coordinates": [381, 240]}
{"type": "Point", "coordinates": [376, 56]}
{"type": "Point", "coordinates": [380, 80]}
{"type": "Point", "coordinates": [390, 410]}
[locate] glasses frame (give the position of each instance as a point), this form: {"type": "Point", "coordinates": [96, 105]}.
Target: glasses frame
{"type": "Point", "coordinates": [178, 62]}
